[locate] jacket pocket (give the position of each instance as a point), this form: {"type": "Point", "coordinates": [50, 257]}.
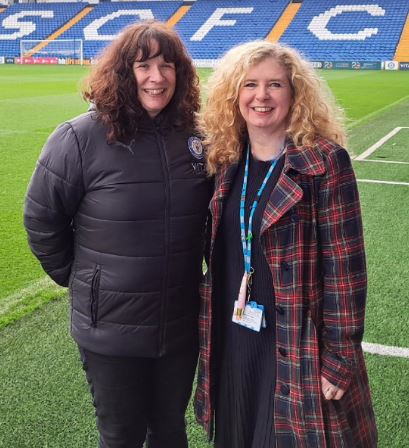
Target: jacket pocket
{"type": "Point", "coordinates": [95, 295]}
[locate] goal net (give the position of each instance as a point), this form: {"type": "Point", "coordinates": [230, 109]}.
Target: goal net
{"type": "Point", "coordinates": [65, 51]}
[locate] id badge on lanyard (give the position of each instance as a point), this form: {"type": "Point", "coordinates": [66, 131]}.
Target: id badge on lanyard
{"type": "Point", "coordinates": [252, 316]}
{"type": "Point", "coordinates": [246, 311]}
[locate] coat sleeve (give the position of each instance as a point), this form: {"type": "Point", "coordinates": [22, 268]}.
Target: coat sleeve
{"type": "Point", "coordinates": [53, 196]}
{"type": "Point", "coordinates": [343, 270]}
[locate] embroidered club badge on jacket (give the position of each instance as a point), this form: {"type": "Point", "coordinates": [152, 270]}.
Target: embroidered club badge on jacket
{"type": "Point", "coordinates": [195, 147]}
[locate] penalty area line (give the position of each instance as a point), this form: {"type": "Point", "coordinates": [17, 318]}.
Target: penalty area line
{"type": "Point", "coordinates": [34, 288]}
{"type": "Point", "coordinates": [379, 143]}
{"type": "Point", "coordinates": [388, 182]}
{"type": "Point", "coordinates": [395, 162]}
{"type": "Point", "coordinates": [46, 283]}
{"type": "Point", "coordinates": [385, 350]}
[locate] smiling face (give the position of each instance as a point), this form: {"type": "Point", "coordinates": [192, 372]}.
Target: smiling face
{"type": "Point", "coordinates": [156, 81]}
{"type": "Point", "coordinates": [265, 98]}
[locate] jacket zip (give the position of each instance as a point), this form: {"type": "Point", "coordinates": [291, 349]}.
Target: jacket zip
{"type": "Point", "coordinates": [164, 294]}
{"type": "Point", "coordinates": [94, 296]}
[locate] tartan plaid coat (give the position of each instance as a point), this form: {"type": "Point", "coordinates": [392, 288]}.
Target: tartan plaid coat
{"type": "Point", "coordinates": [311, 233]}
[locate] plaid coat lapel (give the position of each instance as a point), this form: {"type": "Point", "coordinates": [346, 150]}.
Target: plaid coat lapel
{"type": "Point", "coordinates": [287, 192]}
{"type": "Point", "coordinates": [284, 196]}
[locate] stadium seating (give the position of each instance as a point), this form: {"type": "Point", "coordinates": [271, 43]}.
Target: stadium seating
{"type": "Point", "coordinates": [107, 19]}
{"type": "Point", "coordinates": [211, 27]}
{"type": "Point", "coordinates": [324, 30]}
{"type": "Point", "coordinates": [32, 21]}
{"type": "Point", "coordinates": [345, 30]}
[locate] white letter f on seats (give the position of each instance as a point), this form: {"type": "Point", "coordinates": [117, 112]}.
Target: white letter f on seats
{"type": "Point", "coordinates": [216, 20]}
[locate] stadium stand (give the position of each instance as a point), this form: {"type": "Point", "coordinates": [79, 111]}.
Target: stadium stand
{"type": "Point", "coordinates": [33, 21]}
{"type": "Point", "coordinates": [402, 51]}
{"type": "Point", "coordinates": [324, 30]}
{"type": "Point", "coordinates": [107, 19]}
{"type": "Point", "coordinates": [211, 27]}
{"type": "Point", "coordinates": [284, 21]}
{"type": "Point", "coordinates": [345, 30]}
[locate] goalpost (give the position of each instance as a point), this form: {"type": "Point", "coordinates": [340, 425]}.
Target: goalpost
{"type": "Point", "coordinates": [67, 51]}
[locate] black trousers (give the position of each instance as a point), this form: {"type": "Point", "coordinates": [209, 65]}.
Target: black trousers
{"type": "Point", "coordinates": [140, 398]}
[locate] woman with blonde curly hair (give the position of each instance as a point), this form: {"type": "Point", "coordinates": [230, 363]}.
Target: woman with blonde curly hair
{"type": "Point", "coordinates": [283, 300]}
{"type": "Point", "coordinates": [116, 211]}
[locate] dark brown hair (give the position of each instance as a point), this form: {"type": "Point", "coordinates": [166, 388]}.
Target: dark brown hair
{"type": "Point", "coordinates": [111, 86]}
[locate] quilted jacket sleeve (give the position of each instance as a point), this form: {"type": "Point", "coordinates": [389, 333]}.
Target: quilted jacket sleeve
{"type": "Point", "coordinates": [344, 269]}
{"type": "Point", "coordinates": [53, 196]}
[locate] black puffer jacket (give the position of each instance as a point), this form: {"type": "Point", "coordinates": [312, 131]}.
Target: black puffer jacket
{"type": "Point", "coordinates": [122, 226]}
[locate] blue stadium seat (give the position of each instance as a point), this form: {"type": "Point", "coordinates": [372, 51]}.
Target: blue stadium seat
{"type": "Point", "coordinates": [211, 27]}
{"type": "Point", "coordinates": [342, 30]}
{"type": "Point", "coordinates": [32, 21]}
{"type": "Point", "coordinates": [333, 30]}
{"type": "Point", "coordinates": [107, 19]}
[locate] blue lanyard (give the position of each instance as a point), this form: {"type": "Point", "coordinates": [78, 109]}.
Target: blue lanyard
{"type": "Point", "coordinates": [246, 239]}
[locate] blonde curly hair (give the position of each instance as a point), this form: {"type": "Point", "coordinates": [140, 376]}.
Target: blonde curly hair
{"type": "Point", "coordinates": [313, 112]}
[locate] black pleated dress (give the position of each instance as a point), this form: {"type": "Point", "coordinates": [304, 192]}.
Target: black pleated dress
{"type": "Point", "coordinates": [245, 367]}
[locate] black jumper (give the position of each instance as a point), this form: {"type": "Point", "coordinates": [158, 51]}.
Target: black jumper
{"type": "Point", "coordinates": [245, 358]}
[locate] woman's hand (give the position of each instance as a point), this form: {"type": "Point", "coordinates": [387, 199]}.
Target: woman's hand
{"type": "Point", "coordinates": [330, 391]}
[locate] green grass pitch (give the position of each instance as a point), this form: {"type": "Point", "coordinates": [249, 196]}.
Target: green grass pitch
{"type": "Point", "coordinates": [44, 398]}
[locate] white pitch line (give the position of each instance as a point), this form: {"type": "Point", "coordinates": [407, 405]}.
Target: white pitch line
{"type": "Point", "coordinates": [374, 181]}
{"type": "Point", "coordinates": [385, 350]}
{"type": "Point", "coordinates": [46, 283]}
{"type": "Point", "coordinates": [43, 284]}
{"type": "Point", "coordinates": [379, 143]}
{"type": "Point", "coordinates": [385, 161]}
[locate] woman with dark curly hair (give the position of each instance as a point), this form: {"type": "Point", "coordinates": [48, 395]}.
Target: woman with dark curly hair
{"type": "Point", "coordinates": [115, 211]}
